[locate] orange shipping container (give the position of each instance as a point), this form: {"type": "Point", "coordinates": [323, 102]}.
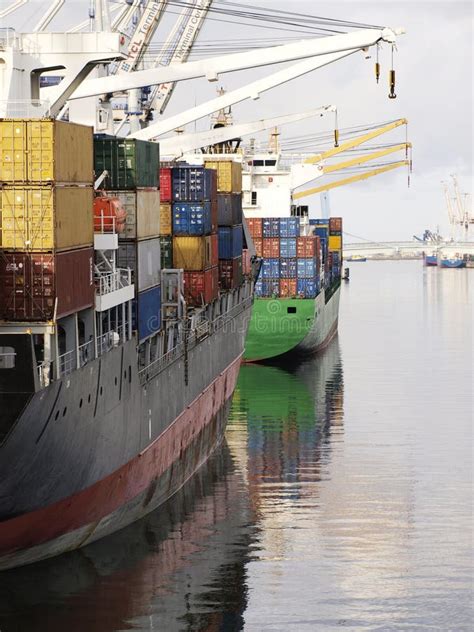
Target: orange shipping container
{"type": "Point", "coordinates": [271, 247]}
{"type": "Point", "coordinates": [255, 226]}
{"type": "Point", "coordinates": [258, 243]}
{"type": "Point", "coordinates": [287, 288]}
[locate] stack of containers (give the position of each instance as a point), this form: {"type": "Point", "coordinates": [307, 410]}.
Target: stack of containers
{"type": "Point", "coordinates": [195, 242]}
{"type": "Point", "coordinates": [229, 219]}
{"type": "Point", "coordinates": [291, 263]}
{"type": "Point", "coordinates": [133, 168]}
{"type": "Point", "coordinates": [166, 217]}
{"type": "Point", "coordinates": [46, 219]}
{"type": "Point", "coordinates": [335, 247]}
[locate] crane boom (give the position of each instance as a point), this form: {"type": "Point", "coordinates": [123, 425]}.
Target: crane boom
{"type": "Point", "coordinates": [355, 142]}
{"type": "Point", "coordinates": [359, 160]}
{"type": "Point", "coordinates": [211, 68]}
{"type": "Point", "coordinates": [357, 178]}
{"type": "Point", "coordinates": [178, 145]}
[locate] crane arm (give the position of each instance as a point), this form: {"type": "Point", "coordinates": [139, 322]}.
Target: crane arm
{"type": "Point", "coordinates": [359, 160]}
{"type": "Point", "coordinates": [178, 145]}
{"type": "Point", "coordinates": [211, 68]}
{"type": "Point", "coordinates": [355, 142]}
{"type": "Point", "coordinates": [250, 91]}
{"type": "Point", "coordinates": [13, 7]}
{"type": "Point", "coordinates": [357, 178]}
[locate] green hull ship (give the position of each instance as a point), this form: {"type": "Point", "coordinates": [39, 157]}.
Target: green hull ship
{"type": "Point", "coordinates": [281, 326]}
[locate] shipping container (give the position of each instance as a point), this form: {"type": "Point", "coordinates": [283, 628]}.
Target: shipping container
{"type": "Point", "coordinates": [194, 253]}
{"type": "Point", "coordinates": [230, 273]}
{"type": "Point", "coordinates": [192, 218]}
{"type": "Point", "coordinates": [143, 212]}
{"type": "Point", "coordinates": [166, 194]}
{"type": "Point", "coordinates": [307, 268]}
{"type": "Point", "coordinates": [229, 209]}
{"type": "Point", "coordinates": [287, 247]}
{"type": "Point", "coordinates": [38, 287]}
{"type": "Point", "coordinates": [267, 288]}
{"type": "Point", "coordinates": [166, 219]}
{"type": "Point", "coordinates": [229, 175]}
{"type": "Point", "coordinates": [255, 225]}
{"type": "Point", "coordinates": [148, 305]}
{"type": "Point", "coordinates": [288, 288]}
{"type": "Point", "coordinates": [319, 221]}
{"type": "Point", "coordinates": [335, 225]}
{"type": "Point", "coordinates": [288, 268]}
{"type": "Point", "coordinates": [230, 242]}
{"type": "Point", "coordinates": [307, 288]}
{"type": "Point", "coordinates": [46, 218]}
{"type": "Point", "coordinates": [109, 215]}
{"type": "Point", "coordinates": [40, 151]}
{"type": "Point", "coordinates": [130, 163]}
{"type": "Point", "coordinates": [335, 242]}
{"type": "Point", "coordinates": [144, 259]}
{"type": "Point", "coordinates": [271, 227]}
{"type": "Point", "coordinates": [271, 247]}
{"type": "Point", "coordinates": [270, 269]}
{"type": "Point", "coordinates": [193, 184]}
{"type": "Point", "coordinates": [258, 243]}
{"type": "Point", "coordinates": [201, 288]}
{"type": "Point", "coordinates": [166, 252]}
{"type": "Point", "coordinates": [289, 227]}
{"type": "Point", "coordinates": [321, 232]}
{"type": "Point", "coordinates": [308, 247]}
{"type": "Point", "coordinates": [246, 262]}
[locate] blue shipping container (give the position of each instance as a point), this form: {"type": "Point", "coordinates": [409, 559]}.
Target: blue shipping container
{"type": "Point", "coordinates": [271, 226]}
{"type": "Point", "coordinates": [149, 312]}
{"type": "Point", "coordinates": [190, 218]}
{"type": "Point", "coordinates": [288, 246]}
{"type": "Point", "coordinates": [319, 221]}
{"type": "Point", "coordinates": [307, 268]}
{"type": "Point", "coordinates": [290, 227]}
{"type": "Point", "coordinates": [321, 231]}
{"type": "Point", "coordinates": [288, 268]}
{"type": "Point", "coordinates": [193, 184]}
{"type": "Point", "coordinates": [270, 269]}
{"type": "Point", "coordinates": [230, 242]}
{"type": "Point", "coordinates": [307, 288]}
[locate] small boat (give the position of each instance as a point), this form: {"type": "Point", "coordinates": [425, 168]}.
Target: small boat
{"type": "Point", "coordinates": [431, 260]}
{"type": "Point", "coordinates": [453, 262]}
{"type": "Point", "coordinates": [355, 258]}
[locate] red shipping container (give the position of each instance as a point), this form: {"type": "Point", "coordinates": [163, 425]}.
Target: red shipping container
{"type": "Point", "coordinates": [271, 247]}
{"type": "Point", "coordinates": [32, 284]}
{"type": "Point", "coordinates": [255, 226]}
{"type": "Point", "coordinates": [307, 247]}
{"type": "Point", "coordinates": [165, 184]}
{"type": "Point", "coordinates": [214, 250]}
{"type": "Point", "coordinates": [246, 263]}
{"type": "Point", "coordinates": [201, 287]}
{"type": "Point", "coordinates": [335, 225]}
{"type": "Point", "coordinates": [258, 243]}
{"type": "Point", "coordinates": [230, 273]}
{"type": "Point", "coordinates": [287, 288]}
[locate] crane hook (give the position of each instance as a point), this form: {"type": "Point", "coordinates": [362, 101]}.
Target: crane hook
{"type": "Point", "coordinates": [391, 80]}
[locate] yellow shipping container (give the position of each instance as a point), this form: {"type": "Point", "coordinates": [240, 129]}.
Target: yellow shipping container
{"type": "Point", "coordinates": [335, 242]}
{"type": "Point", "coordinates": [166, 219]}
{"type": "Point", "coordinates": [41, 151]}
{"type": "Point", "coordinates": [229, 175]}
{"type": "Point", "coordinates": [34, 218]}
{"type": "Point", "coordinates": [192, 253]}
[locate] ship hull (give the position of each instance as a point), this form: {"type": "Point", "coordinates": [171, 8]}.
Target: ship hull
{"type": "Point", "coordinates": [431, 260]}
{"type": "Point", "coordinates": [280, 327]}
{"type": "Point", "coordinates": [69, 479]}
{"type": "Point", "coordinates": [452, 263]}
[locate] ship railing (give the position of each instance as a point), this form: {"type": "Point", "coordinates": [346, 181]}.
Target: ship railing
{"type": "Point", "coordinates": [105, 224]}
{"type": "Point", "coordinates": [68, 362]}
{"type": "Point", "coordinates": [9, 38]}
{"type": "Point", "coordinates": [86, 353]}
{"type": "Point", "coordinates": [32, 108]}
{"type": "Point", "coordinates": [113, 281]}
{"type": "Point", "coordinates": [161, 363]}
{"type": "Point", "coordinates": [109, 340]}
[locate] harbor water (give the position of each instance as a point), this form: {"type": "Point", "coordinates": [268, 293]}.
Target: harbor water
{"type": "Point", "coordinates": [341, 499]}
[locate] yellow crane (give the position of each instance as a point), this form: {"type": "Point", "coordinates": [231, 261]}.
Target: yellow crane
{"type": "Point", "coordinates": [358, 160]}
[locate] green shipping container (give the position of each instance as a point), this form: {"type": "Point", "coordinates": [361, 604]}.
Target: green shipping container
{"type": "Point", "coordinates": [166, 246]}
{"type": "Point", "coordinates": [130, 163]}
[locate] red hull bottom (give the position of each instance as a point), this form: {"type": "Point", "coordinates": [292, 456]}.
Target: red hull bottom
{"type": "Point", "coordinates": [129, 493]}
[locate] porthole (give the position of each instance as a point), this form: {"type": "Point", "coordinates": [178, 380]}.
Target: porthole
{"type": "Point", "coordinates": [89, 399]}
{"type": "Point", "coordinates": [80, 403]}
{"type": "Point", "coordinates": [101, 390]}
{"type": "Point", "coordinates": [64, 412]}
{"type": "Point", "coordinates": [115, 381]}
{"type": "Point", "coordinates": [56, 415]}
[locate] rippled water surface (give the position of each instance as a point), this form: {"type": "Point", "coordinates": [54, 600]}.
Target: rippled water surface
{"type": "Point", "coordinates": [342, 498]}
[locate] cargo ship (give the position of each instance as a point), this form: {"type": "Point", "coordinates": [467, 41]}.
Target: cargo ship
{"type": "Point", "coordinates": [297, 294]}
{"type": "Point", "coordinates": [123, 315]}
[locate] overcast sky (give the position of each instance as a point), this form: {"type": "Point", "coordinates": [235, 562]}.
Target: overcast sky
{"type": "Point", "coordinates": [434, 66]}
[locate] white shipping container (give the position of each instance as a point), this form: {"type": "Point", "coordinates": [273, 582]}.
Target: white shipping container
{"type": "Point", "coordinates": [144, 259]}
{"type": "Point", "coordinates": [143, 212]}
